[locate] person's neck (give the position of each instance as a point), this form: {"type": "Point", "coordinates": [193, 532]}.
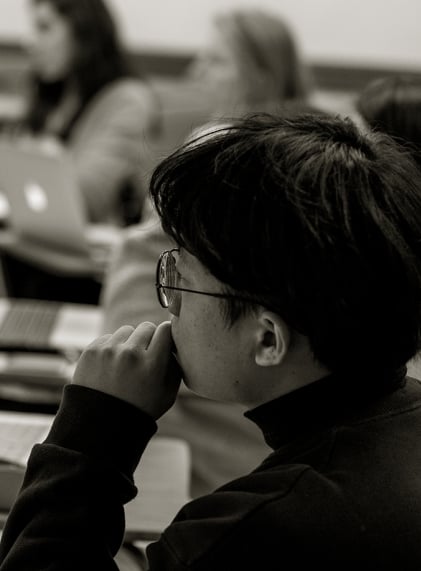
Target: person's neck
{"type": "Point", "coordinates": [298, 369]}
{"type": "Point", "coordinates": [65, 110]}
{"type": "Point", "coordinates": [71, 96]}
{"type": "Point", "coordinates": [293, 376]}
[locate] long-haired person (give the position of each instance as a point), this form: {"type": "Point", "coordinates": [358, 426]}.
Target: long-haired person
{"type": "Point", "coordinates": [83, 96]}
{"type": "Point", "coordinates": [83, 100]}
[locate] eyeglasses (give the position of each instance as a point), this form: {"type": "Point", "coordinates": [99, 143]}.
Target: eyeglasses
{"type": "Point", "coordinates": [169, 294]}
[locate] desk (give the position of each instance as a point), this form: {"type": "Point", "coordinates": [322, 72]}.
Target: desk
{"type": "Point", "coordinates": [163, 478]}
{"type": "Point", "coordinates": [12, 107]}
{"type": "Point", "coordinates": [100, 240]}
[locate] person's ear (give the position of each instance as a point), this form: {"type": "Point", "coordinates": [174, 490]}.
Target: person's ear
{"type": "Point", "coordinates": [273, 337]}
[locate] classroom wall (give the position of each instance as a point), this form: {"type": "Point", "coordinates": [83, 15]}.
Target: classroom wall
{"type": "Point", "coordinates": [384, 33]}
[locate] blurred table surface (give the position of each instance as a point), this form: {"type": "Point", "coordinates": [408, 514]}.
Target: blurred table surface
{"type": "Point", "coordinates": [101, 240]}
{"type": "Point", "coordinates": [12, 106]}
{"type": "Point", "coordinates": [162, 476]}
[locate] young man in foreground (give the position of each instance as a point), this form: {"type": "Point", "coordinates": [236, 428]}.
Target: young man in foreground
{"type": "Point", "coordinates": [296, 291]}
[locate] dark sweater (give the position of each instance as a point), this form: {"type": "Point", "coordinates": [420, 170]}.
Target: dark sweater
{"type": "Point", "coordinates": [342, 489]}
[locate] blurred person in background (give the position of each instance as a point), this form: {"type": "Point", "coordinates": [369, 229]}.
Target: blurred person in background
{"type": "Point", "coordinates": [83, 96]}
{"type": "Point", "coordinates": [83, 99]}
{"type": "Point", "coordinates": [392, 105]}
{"type": "Point", "coordinates": [252, 63]}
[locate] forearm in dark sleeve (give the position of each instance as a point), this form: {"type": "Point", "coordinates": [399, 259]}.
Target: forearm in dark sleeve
{"type": "Point", "coordinates": [69, 513]}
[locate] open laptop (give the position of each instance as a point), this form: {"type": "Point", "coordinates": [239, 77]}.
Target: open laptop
{"type": "Point", "coordinates": [45, 205]}
{"type": "Point", "coordinates": [39, 339]}
{"type": "Point", "coordinates": [42, 207]}
{"type": "Point", "coordinates": [40, 343]}
{"type": "Point", "coordinates": [47, 326]}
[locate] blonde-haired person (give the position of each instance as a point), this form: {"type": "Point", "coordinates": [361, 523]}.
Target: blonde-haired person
{"type": "Point", "coordinates": [252, 62]}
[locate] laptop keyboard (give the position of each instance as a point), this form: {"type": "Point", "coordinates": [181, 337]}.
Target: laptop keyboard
{"type": "Point", "coordinates": [28, 324]}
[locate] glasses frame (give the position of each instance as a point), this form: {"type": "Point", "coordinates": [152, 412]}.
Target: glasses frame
{"type": "Point", "coordinates": [160, 287]}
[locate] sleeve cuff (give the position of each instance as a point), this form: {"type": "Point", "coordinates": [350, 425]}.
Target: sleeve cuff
{"type": "Point", "coordinates": [102, 426]}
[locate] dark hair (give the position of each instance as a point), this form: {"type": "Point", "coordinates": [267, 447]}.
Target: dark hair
{"type": "Point", "coordinates": [393, 105]}
{"type": "Point", "coordinates": [100, 58]}
{"type": "Point", "coordinates": [312, 218]}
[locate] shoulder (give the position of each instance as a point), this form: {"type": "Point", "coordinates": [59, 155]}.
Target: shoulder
{"type": "Point", "coordinates": [123, 106]}
{"type": "Point", "coordinates": [131, 89]}
{"type": "Point", "coordinates": [288, 503]}
{"type": "Point", "coordinates": [122, 93]}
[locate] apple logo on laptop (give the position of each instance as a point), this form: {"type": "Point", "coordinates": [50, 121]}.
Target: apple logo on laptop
{"type": "Point", "coordinates": [35, 197]}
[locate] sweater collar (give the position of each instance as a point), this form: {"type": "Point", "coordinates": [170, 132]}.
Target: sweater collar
{"type": "Point", "coordinates": [322, 404]}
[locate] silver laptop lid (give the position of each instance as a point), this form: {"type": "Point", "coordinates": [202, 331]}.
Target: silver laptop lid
{"type": "Point", "coordinates": [45, 202]}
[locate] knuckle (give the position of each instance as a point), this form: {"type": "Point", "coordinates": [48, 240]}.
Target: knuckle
{"type": "Point", "coordinates": [89, 351]}
{"type": "Point", "coordinates": [95, 343]}
{"type": "Point", "coordinates": [128, 356]}
{"type": "Point", "coordinates": [108, 351]}
{"type": "Point", "coordinates": [147, 327]}
{"type": "Point", "coordinates": [124, 329]}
